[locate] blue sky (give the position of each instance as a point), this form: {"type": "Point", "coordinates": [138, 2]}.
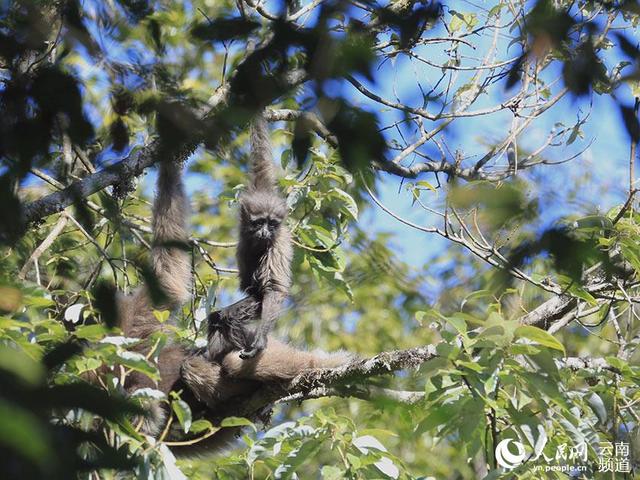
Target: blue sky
{"type": "Point", "coordinates": [606, 160]}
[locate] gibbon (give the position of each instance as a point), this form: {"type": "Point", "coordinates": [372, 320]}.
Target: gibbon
{"type": "Point", "coordinates": [264, 258]}
{"type": "Point", "coordinates": [206, 384]}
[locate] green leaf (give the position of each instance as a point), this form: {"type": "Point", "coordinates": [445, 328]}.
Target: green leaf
{"type": "Point", "coordinates": [330, 472]}
{"type": "Point", "coordinates": [139, 363]}
{"type": "Point", "coordinates": [35, 301]}
{"type": "Point", "coordinates": [295, 458]}
{"type": "Point", "coordinates": [21, 365]}
{"type": "Point", "coordinates": [162, 315]}
{"type": "Point", "coordinates": [524, 349]}
{"type": "Point", "coordinates": [493, 336]}
{"type": "Point", "coordinates": [24, 433]}
{"type": "Point", "coordinates": [580, 292]}
{"type": "Point", "coordinates": [540, 385]}
{"type": "Point", "coordinates": [87, 364]}
{"type": "Point", "coordinates": [183, 413]}
{"type": "Point", "coordinates": [437, 417]}
{"type": "Point", "coordinates": [471, 366]}
{"type": "Point", "coordinates": [354, 461]}
{"type": "Point", "coordinates": [619, 364]}
{"type": "Point", "coordinates": [91, 332]}
{"type": "Point", "coordinates": [377, 431]}
{"type": "Point", "coordinates": [458, 323]}
{"type": "Point", "coordinates": [237, 422]}
{"type": "Point", "coordinates": [350, 207]}
{"type": "Point", "coordinates": [201, 425]}
{"type": "Point", "coordinates": [597, 405]}
{"type": "Point", "coordinates": [427, 185]}
{"type": "Point", "coordinates": [495, 10]}
{"type": "Point", "coordinates": [461, 19]}
{"type": "Point", "coordinates": [594, 223]}
{"type": "Point", "coordinates": [540, 337]}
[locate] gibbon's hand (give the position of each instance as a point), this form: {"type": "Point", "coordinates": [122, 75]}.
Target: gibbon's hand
{"type": "Point", "coordinates": [256, 347]}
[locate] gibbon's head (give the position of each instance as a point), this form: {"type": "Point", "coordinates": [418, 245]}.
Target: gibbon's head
{"type": "Point", "coordinates": [262, 214]}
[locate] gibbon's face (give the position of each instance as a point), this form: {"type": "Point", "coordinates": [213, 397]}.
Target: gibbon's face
{"type": "Point", "coordinates": [264, 228]}
{"type": "Point", "coordinates": [262, 215]}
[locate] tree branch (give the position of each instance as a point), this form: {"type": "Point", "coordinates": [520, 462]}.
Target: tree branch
{"type": "Point", "coordinates": [347, 381]}
{"type": "Point", "coordinates": [340, 381]}
{"type": "Point", "coordinates": [314, 122]}
{"type": "Point", "coordinates": [363, 392]}
{"type": "Point", "coordinates": [450, 169]}
{"type": "Point", "coordinates": [135, 164]}
{"type": "Point", "coordinates": [46, 243]}
{"type": "Point", "coordinates": [550, 311]}
{"type": "Point", "coordinates": [131, 166]}
{"type": "Point", "coordinates": [592, 365]}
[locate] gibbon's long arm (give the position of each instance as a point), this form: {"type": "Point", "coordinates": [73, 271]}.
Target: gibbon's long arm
{"type": "Point", "coordinates": [171, 259]}
{"type": "Point", "coordinates": [262, 175]}
{"type": "Point", "coordinates": [271, 279]}
{"type": "Point", "coordinates": [169, 254]}
{"type": "Point", "coordinates": [170, 288]}
{"type": "Point", "coordinates": [272, 303]}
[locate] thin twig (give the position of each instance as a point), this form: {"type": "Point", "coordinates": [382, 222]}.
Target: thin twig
{"type": "Point", "coordinates": [46, 243]}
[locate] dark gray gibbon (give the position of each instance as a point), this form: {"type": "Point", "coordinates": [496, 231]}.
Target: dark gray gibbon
{"type": "Point", "coordinates": [264, 258]}
{"type": "Point", "coordinates": [207, 385]}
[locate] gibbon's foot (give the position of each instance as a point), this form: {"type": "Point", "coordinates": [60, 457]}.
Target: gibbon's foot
{"type": "Point", "coordinates": [247, 354]}
{"type": "Point", "coordinates": [256, 347]}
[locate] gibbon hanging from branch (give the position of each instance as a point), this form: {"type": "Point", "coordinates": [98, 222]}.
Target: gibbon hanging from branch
{"type": "Point", "coordinates": [209, 383]}
{"type": "Point", "coordinates": [264, 258]}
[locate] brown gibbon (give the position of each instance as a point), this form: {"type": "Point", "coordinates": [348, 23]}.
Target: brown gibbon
{"type": "Point", "coordinates": [207, 384]}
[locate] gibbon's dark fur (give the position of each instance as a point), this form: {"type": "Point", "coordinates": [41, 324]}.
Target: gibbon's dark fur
{"type": "Point", "coordinates": [264, 258]}
{"type": "Point", "coordinates": [228, 328]}
{"type": "Point", "coordinates": [209, 384]}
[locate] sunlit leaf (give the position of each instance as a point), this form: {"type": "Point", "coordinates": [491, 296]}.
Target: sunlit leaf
{"type": "Point", "coordinates": [539, 336]}
{"type": "Point", "coordinates": [183, 413]}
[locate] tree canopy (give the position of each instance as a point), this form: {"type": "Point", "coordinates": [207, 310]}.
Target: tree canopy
{"type": "Point", "coordinates": [462, 193]}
